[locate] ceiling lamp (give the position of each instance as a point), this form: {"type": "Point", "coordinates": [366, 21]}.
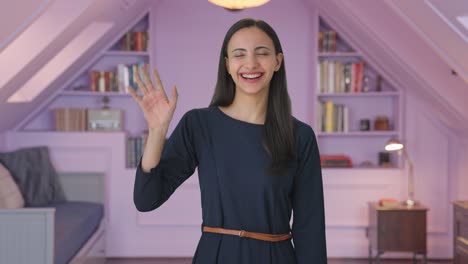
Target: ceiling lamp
{"type": "Point", "coordinates": [238, 4]}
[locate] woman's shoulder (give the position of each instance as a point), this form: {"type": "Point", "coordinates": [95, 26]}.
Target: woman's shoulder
{"type": "Point", "coordinates": [305, 137]}
{"type": "Point", "coordinates": [198, 112]}
{"type": "Point", "coordinates": [197, 116]}
{"type": "Point", "coordinates": [302, 129]}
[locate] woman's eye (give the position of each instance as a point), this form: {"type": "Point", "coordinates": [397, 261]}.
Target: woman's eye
{"type": "Point", "coordinates": [263, 54]}
{"type": "Point", "coordinates": [239, 55]}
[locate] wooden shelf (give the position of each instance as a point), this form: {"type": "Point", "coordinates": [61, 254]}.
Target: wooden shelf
{"type": "Point", "coordinates": [343, 66]}
{"type": "Point", "coordinates": [126, 53]}
{"type": "Point", "coordinates": [357, 134]}
{"type": "Point", "coordinates": [356, 168]}
{"type": "Point", "coordinates": [360, 94]}
{"type": "Point", "coordinates": [89, 93]}
{"type": "Point", "coordinates": [338, 54]}
{"type": "Point", "coordinates": [76, 133]}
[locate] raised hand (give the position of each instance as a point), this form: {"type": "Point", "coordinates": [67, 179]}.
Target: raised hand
{"type": "Point", "coordinates": [157, 108]}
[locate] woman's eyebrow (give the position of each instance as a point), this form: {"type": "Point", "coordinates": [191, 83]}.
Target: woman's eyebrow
{"type": "Point", "coordinates": [238, 49]}
{"type": "Point", "coordinates": [262, 47]}
{"type": "Point", "coordinates": [257, 48]}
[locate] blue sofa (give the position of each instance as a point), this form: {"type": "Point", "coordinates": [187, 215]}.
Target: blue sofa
{"type": "Point", "coordinates": [49, 229]}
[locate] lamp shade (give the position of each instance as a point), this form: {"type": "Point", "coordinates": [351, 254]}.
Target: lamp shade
{"type": "Point", "coordinates": [393, 145]}
{"type": "Point", "coordinates": [238, 4]}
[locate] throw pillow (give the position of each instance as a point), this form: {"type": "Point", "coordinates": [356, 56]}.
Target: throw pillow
{"type": "Point", "coordinates": [10, 195]}
{"type": "Point", "coordinates": [36, 176]}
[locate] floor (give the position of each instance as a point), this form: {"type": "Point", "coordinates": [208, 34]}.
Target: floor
{"type": "Point", "coordinates": [330, 261]}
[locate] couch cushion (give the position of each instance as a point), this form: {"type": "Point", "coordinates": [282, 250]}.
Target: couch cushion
{"type": "Point", "coordinates": [75, 223]}
{"type": "Point", "coordinates": [10, 195]}
{"type": "Point", "coordinates": [35, 175]}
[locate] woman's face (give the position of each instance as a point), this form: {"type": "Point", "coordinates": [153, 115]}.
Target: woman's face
{"type": "Point", "coordinates": [251, 61]}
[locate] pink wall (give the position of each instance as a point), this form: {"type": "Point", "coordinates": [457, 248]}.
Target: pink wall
{"type": "Point", "coordinates": [189, 34]}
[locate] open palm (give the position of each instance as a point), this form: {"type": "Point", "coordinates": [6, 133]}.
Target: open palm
{"type": "Point", "coordinates": [157, 108]}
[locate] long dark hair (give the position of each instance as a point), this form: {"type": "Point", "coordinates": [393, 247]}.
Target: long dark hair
{"type": "Point", "coordinates": [278, 131]}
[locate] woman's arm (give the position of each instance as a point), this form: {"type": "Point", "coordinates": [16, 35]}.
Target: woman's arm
{"type": "Point", "coordinates": [177, 163]}
{"type": "Point", "coordinates": [308, 206]}
{"type": "Point", "coordinates": [153, 149]}
{"type": "Point", "coordinates": [162, 168]}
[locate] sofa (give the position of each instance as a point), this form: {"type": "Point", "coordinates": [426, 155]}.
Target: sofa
{"type": "Point", "coordinates": [38, 224]}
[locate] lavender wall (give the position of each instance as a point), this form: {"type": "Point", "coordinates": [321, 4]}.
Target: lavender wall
{"type": "Point", "coordinates": [188, 37]}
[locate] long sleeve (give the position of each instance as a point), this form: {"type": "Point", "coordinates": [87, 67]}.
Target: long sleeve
{"type": "Point", "coordinates": [177, 164]}
{"type": "Point", "coordinates": [308, 205]}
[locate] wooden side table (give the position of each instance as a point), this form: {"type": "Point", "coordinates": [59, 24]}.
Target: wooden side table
{"type": "Point", "coordinates": [401, 229]}
{"type": "Point", "coordinates": [460, 232]}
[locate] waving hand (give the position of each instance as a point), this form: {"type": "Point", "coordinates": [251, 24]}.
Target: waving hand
{"type": "Point", "coordinates": [156, 107]}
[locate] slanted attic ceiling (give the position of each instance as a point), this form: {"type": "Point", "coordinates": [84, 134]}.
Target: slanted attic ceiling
{"type": "Point", "coordinates": [119, 13]}
{"type": "Point", "coordinates": [19, 17]}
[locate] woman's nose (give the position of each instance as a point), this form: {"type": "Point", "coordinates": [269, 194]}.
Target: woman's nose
{"type": "Point", "coordinates": [252, 61]}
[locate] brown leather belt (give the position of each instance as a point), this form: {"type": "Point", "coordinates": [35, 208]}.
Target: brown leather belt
{"type": "Point", "coordinates": [242, 233]}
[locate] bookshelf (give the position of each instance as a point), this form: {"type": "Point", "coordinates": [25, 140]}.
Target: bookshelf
{"type": "Point", "coordinates": [357, 109]}
{"type": "Point", "coordinates": [104, 83]}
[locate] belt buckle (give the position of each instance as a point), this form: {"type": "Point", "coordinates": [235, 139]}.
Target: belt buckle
{"type": "Point", "coordinates": [241, 233]}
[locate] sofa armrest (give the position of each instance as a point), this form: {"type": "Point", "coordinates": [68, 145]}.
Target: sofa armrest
{"type": "Point", "coordinates": [27, 235]}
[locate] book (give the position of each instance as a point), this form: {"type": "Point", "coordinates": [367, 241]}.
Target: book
{"type": "Point", "coordinates": [389, 202]}
{"type": "Point", "coordinates": [335, 161]}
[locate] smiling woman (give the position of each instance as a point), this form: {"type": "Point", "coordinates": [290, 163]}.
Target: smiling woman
{"type": "Point", "coordinates": [256, 163]}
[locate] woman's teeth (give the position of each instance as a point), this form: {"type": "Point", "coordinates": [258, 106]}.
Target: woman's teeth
{"type": "Point", "coordinates": [251, 76]}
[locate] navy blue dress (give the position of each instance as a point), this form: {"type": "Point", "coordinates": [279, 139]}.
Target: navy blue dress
{"type": "Point", "coordinates": [237, 194]}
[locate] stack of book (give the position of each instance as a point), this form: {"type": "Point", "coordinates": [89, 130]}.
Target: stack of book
{"type": "Point", "coordinates": [332, 117]}
{"type": "Point", "coordinates": [340, 77]}
{"type": "Point", "coordinates": [327, 41]}
{"type": "Point", "coordinates": [118, 81]}
{"type": "Point", "coordinates": [135, 148]}
{"type": "Point", "coordinates": [389, 202]}
{"type": "Point", "coordinates": [70, 119]}
{"type": "Point", "coordinates": [134, 41]}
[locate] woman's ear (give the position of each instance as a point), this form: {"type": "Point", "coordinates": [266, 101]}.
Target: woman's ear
{"type": "Point", "coordinates": [279, 60]}
{"type": "Point", "coordinates": [226, 60]}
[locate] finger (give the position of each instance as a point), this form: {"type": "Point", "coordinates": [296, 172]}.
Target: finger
{"type": "Point", "coordinates": [146, 78]}
{"type": "Point", "coordinates": [142, 86]}
{"type": "Point", "coordinates": [159, 85]}
{"type": "Point", "coordinates": [174, 97]}
{"type": "Point", "coordinates": [134, 95]}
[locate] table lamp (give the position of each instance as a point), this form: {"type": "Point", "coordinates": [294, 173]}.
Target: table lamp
{"type": "Point", "coordinates": [396, 145]}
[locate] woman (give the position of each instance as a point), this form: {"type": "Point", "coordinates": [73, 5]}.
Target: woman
{"type": "Point", "coordinates": [256, 163]}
